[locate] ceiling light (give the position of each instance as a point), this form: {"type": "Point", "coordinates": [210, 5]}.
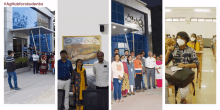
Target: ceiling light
{"type": "Point", "coordinates": [167, 10]}
{"type": "Point", "coordinates": [202, 10]}
{"type": "Point", "coordinates": [114, 27]}
{"type": "Point", "coordinates": [125, 29]}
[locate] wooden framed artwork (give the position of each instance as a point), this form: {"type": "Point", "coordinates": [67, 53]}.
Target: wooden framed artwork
{"type": "Point", "coordinates": [82, 47]}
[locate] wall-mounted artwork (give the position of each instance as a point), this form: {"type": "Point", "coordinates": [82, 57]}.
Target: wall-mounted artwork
{"type": "Point", "coordinates": [82, 47]}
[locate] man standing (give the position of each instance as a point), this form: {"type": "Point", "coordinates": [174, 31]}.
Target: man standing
{"type": "Point", "coordinates": [132, 55]}
{"type": "Point", "coordinates": [101, 71]}
{"type": "Point", "coordinates": [64, 76]}
{"type": "Point", "coordinates": [138, 73]}
{"type": "Point", "coordinates": [150, 64]}
{"type": "Point", "coordinates": [10, 64]}
{"type": "Point", "coordinates": [126, 52]}
{"type": "Point", "coordinates": [35, 61]}
{"type": "Point", "coordinates": [143, 68]}
{"type": "Point", "coordinates": [116, 51]}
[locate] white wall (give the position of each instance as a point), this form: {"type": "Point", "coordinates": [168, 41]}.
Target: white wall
{"type": "Point", "coordinates": [83, 17]}
{"type": "Point", "coordinates": [206, 29]}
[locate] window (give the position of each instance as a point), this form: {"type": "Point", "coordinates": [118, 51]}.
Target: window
{"type": "Point", "coordinates": [176, 19]}
{"type": "Point", "coordinates": [182, 19]}
{"type": "Point", "coordinates": [201, 19]}
{"type": "Point", "coordinates": [169, 19]}
{"type": "Point", "coordinates": [193, 19]}
{"type": "Point", "coordinates": [208, 20]}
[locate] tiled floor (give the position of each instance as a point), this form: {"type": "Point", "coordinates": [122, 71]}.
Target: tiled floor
{"type": "Point", "coordinates": [151, 99]}
{"type": "Point", "coordinates": [35, 89]}
{"type": "Point", "coordinates": [207, 93]}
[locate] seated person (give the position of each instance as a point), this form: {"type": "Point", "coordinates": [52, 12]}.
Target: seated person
{"type": "Point", "coordinates": [182, 56]}
{"type": "Point", "coordinates": [193, 43]}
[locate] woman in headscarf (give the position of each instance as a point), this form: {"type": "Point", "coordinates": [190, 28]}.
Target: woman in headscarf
{"type": "Point", "coordinates": [79, 83]}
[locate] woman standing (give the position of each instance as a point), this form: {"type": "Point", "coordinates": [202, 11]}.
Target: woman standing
{"type": "Point", "coordinates": [193, 43]}
{"type": "Point", "coordinates": [79, 83]}
{"type": "Point", "coordinates": [125, 84]}
{"type": "Point", "coordinates": [43, 69]}
{"type": "Point", "coordinates": [53, 62]}
{"type": "Point", "coordinates": [131, 72]}
{"type": "Point", "coordinates": [118, 72]}
{"type": "Point", "coordinates": [158, 73]}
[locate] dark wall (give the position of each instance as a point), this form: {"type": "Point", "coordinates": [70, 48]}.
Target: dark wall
{"type": "Point", "coordinates": [156, 20]}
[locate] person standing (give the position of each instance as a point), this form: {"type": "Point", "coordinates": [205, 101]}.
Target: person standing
{"type": "Point", "coordinates": [101, 72]}
{"type": "Point", "coordinates": [65, 70]}
{"type": "Point", "coordinates": [126, 52]}
{"type": "Point", "coordinates": [79, 83]}
{"type": "Point", "coordinates": [132, 55]}
{"type": "Point", "coordinates": [143, 68]}
{"type": "Point", "coordinates": [150, 63]}
{"type": "Point", "coordinates": [10, 64]}
{"type": "Point", "coordinates": [118, 72]}
{"type": "Point", "coordinates": [43, 68]}
{"type": "Point", "coordinates": [131, 72]}
{"type": "Point", "coordinates": [138, 73]}
{"type": "Point", "coordinates": [35, 61]}
{"type": "Point", "coordinates": [125, 83]}
{"type": "Point", "coordinates": [116, 51]}
{"type": "Point", "coordinates": [158, 72]}
{"type": "Point", "coordinates": [53, 62]}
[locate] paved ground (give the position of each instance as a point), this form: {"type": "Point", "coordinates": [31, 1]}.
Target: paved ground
{"type": "Point", "coordinates": [151, 99]}
{"type": "Point", "coordinates": [36, 89]}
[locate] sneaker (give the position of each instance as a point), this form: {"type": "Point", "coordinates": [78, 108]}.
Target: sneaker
{"type": "Point", "coordinates": [144, 88]}
{"type": "Point", "coordinates": [154, 87]}
{"type": "Point", "coordinates": [17, 89]}
{"type": "Point", "coordinates": [149, 87]}
{"type": "Point", "coordinates": [12, 88]}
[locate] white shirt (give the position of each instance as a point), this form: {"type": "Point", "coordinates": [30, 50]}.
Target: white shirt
{"type": "Point", "coordinates": [101, 72]}
{"type": "Point", "coordinates": [35, 57]}
{"type": "Point", "coordinates": [150, 62]}
{"type": "Point", "coordinates": [158, 76]}
{"type": "Point", "coordinates": [117, 69]}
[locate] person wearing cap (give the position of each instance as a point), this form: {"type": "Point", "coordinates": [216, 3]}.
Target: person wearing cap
{"type": "Point", "coordinates": [10, 64]}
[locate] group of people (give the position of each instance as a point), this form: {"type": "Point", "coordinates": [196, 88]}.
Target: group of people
{"type": "Point", "coordinates": [77, 78]}
{"type": "Point", "coordinates": [181, 50]}
{"type": "Point", "coordinates": [128, 72]}
{"type": "Point", "coordinates": [43, 61]}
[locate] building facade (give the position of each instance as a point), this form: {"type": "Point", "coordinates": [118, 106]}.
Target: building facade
{"type": "Point", "coordinates": [24, 26]}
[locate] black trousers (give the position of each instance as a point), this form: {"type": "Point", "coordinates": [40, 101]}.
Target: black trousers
{"type": "Point", "coordinates": [138, 80]}
{"type": "Point", "coordinates": [101, 87]}
{"type": "Point", "coordinates": [35, 68]}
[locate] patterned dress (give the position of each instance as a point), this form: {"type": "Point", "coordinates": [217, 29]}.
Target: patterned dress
{"type": "Point", "coordinates": [77, 82]}
{"type": "Point", "coordinates": [125, 84]}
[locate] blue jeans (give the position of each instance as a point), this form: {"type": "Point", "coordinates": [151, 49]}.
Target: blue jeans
{"type": "Point", "coordinates": [117, 88]}
{"type": "Point", "coordinates": [49, 66]}
{"type": "Point", "coordinates": [53, 70]}
{"type": "Point", "coordinates": [14, 76]}
{"type": "Point", "coordinates": [143, 83]}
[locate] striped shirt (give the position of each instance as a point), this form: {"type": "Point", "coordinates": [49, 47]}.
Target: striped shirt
{"type": "Point", "coordinates": [138, 66]}
{"type": "Point", "coordinates": [10, 64]}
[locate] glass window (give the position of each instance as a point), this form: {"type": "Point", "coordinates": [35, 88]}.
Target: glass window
{"type": "Point", "coordinates": [201, 19]}
{"type": "Point", "coordinates": [193, 19]}
{"type": "Point", "coordinates": [169, 19]}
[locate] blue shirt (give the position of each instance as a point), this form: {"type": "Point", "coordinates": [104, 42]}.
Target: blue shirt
{"type": "Point", "coordinates": [64, 69]}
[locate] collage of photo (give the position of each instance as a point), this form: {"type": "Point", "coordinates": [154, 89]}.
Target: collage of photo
{"type": "Point", "coordinates": [110, 55]}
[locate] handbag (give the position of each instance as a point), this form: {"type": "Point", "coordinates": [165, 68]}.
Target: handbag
{"type": "Point", "coordinates": [180, 78]}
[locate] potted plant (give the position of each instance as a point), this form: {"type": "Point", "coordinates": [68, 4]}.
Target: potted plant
{"type": "Point", "coordinates": [24, 61]}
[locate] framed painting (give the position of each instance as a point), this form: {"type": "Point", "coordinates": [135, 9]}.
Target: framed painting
{"type": "Point", "coordinates": [82, 47]}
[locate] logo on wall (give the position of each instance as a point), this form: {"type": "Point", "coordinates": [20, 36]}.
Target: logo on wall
{"type": "Point", "coordinates": [136, 21]}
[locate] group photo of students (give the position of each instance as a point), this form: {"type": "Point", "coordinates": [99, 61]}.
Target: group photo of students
{"type": "Point", "coordinates": [190, 56]}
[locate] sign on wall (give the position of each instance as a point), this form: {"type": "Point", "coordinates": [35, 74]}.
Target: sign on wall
{"type": "Point", "coordinates": [134, 19]}
{"type": "Point", "coordinates": [82, 47]}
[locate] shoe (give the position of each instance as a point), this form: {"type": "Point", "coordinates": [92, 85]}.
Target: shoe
{"type": "Point", "coordinates": [154, 87]}
{"type": "Point", "coordinates": [138, 91]}
{"type": "Point", "coordinates": [133, 93]}
{"type": "Point", "coordinates": [17, 89]}
{"type": "Point", "coordinates": [144, 88]}
{"type": "Point", "coordinates": [129, 93]}
{"type": "Point", "coordinates": [12, 88]}
{"type": "Point", "coordinates": [149, 87]}
{"type": "Point", "coordinates": [183, 101]}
